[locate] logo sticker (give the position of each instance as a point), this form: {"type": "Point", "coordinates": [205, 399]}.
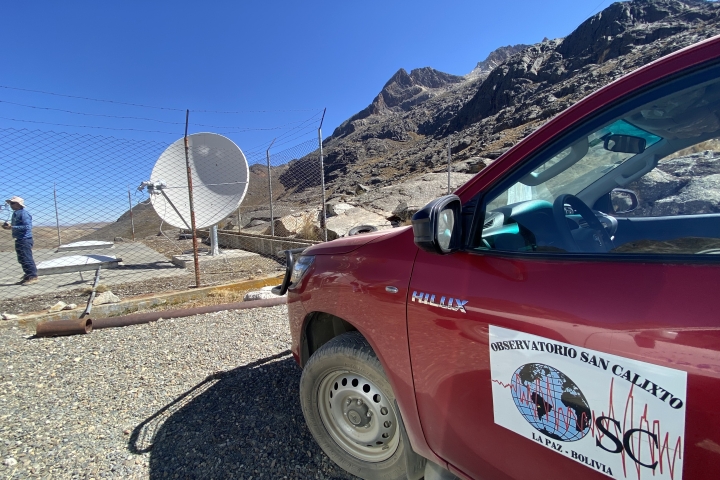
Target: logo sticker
{"type": "Point", "coordinates": [618, 416]}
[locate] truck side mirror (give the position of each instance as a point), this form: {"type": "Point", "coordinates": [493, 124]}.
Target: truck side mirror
{"type": "Point", "coordinates": [437, 227]}
{"type": "Point", "coordinates": [623, 201]}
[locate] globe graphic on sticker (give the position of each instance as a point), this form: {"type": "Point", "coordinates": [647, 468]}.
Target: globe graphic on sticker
{"type": "Point", "coordinates": [551, 402]}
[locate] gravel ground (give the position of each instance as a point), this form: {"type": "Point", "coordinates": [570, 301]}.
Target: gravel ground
{"type": "Point", "coordinates": [210, 396]}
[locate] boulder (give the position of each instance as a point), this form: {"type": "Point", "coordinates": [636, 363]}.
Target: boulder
{"type": "Point", "coordinates": [258, 228]}
{"type": "Point", "coordinates": [57, 307]}
{"type": "Point", "coordinates": [653, 186]}
{"type": "Point", "coordinates": [404, 199]}
{"type": "Point", "coordinates": [105, 298]}
{"type": "Point", "coordinates": [279, 231]}
{"type": "Point", "coordinates": [230, 225]}
{"type": "Point", "coordinates": [360, 189]}
{"type": "Point", "coordinates": [302, 224]}
{"type": "Point", "coordinates": [693, 165]}
{"type": "Point", "coordinates": [338, 208]}
{"type": "Point", "coordinates": [700, 195]}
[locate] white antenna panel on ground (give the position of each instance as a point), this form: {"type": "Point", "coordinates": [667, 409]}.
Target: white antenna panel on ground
{"type": "Point", "coordinates": [219, 176]}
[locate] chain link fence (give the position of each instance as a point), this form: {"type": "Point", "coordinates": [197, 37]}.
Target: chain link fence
{"type": "Point", "coordinates": [88, 213]}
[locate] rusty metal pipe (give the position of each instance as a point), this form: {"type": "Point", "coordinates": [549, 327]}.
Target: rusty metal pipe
{"type": "Point", "coordinates": [196, 260]}
{"type": "Point", "coordinates": [138, 318]}
{"type": "Point", "coordinates": [59, 328]}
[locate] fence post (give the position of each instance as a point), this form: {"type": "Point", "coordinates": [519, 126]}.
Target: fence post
{"type": "Point", "coordinates": [192, 206]}
{"type": "Point", "coordinates": [132, 222]}
{"type": "Point", "coordinates": [449, 158]}
{"type": "Point", "coordinates": [57, 216]}
{"type": "Point", "coordinates": [272, 217]}
{"type": "Point", "coordinates": [322, 177]}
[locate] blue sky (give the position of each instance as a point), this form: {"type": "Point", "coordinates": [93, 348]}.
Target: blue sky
{"type": "Point", "coordinates": [277, 63]}
{"type": "Point", "coordinates": [243, 56]}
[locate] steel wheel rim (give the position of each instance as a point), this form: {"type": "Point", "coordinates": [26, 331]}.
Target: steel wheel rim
{"type": "Point", "coordinates": [358, 416]}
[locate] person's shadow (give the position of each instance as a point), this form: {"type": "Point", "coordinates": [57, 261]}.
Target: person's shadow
{"type": "Point", "coordinates": [241, 423]}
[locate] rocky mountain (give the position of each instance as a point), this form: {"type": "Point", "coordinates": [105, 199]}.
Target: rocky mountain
{"type": "Point", "coordinates": [406, 129]}
{"type": "Point", "coordinates": [400, 94]}
{"type": "Point", "coordinates": [496, 57]}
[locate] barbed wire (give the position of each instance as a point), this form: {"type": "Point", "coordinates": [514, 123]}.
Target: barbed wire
{"type": "Point", "coordinates": [227, 129]}
{"type": "Point", "coordinates": [116, 102]}
{"type": "Point", "coordinates": [260, 149]}
{"type": "Point", "coordinates": [79, 97]}
{"type": "Point", "coordinates": [89, 126]}
{"type": "Point", "coordinates": [255, 111]}
{"type": "Point", "coordinates": [123, 117]}
{"type": "Point", "coordinates": [295, 152]}
{"type": "Point", "coordinates": [92, 114]}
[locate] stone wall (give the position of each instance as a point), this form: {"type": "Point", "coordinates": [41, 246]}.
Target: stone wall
{"type": "Point", "coordinates": [262, 244]}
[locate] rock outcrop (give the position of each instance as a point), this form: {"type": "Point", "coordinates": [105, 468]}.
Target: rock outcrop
{"type": "Point", "coordinates": [685, 185]}
{"type": "Point", "coordinates": [402, 92]}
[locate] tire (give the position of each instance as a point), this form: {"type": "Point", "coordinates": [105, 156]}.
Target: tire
{"type": "Point", "coordinates": [337, 376]}
{"type": "Point", "coordinates": [362, 229]}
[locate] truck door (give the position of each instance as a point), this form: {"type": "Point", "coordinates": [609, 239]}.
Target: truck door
{"type": "Point", "coordinates": [577, 335]}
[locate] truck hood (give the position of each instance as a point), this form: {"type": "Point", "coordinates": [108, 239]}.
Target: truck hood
{"type": "Point", "coordinates": [345, 245]}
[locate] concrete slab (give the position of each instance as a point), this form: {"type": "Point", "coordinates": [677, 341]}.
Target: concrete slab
{"type": "Point", "coordinates": [139, 263]}
{"type": "Point", "coordinates": [77, 263]}
{"type": "Point", "coordinates": [187, 261]}
{"type": "Point", "coordinates": [86, 245]}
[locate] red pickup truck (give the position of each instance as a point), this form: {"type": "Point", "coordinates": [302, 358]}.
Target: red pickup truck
{"type": "Point", "coordinates": [552, 319]}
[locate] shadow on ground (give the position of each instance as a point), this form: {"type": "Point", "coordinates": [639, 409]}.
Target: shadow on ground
{"type": "Point", "coordinates": [237, 424]}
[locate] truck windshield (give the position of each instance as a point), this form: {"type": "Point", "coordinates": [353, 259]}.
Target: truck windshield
{"type": "Point", "coordinates": [597, 162]}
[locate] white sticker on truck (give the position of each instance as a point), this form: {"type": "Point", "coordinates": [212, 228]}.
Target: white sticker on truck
{"type": "Point", "coordinates": [618, 416]}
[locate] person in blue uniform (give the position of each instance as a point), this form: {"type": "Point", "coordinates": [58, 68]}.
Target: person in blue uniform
{"type": "Point", "coordinates": [21, 226]}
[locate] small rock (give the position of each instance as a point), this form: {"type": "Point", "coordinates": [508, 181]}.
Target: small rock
{"type": "Point", "coordinates": [126, 431]}
{"type": "Point", "coordinates": [70, 306]}
{"type": "Point", "coordinates": [360, 189]}
{"type": "Point", "coordinates": [118, 240]}
{"type": "Point", "coordinates": [58, 306]}
{"type": "Point", "coordinates": [10, 462]}
{"type": "Point", "coordinates": [106, 297]}
{"type": "Point", "coordinates": [258, 295]}
{"type": "Point", "coordinates": [9, 316]}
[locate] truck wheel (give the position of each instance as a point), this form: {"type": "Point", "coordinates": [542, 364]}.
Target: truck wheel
{"type": "Point", "coordinates": [350, 409]}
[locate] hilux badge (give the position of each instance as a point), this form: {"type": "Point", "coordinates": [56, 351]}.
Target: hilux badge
{"type": "Point", "coordinates": [429, 299]}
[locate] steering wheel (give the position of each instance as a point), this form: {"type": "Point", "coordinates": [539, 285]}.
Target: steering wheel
{"type": "Point", "coordinates": [594, 239]}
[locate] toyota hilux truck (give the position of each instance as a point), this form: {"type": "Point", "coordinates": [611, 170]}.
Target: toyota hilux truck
{"type": "Point", "coordinates": [554, 318]}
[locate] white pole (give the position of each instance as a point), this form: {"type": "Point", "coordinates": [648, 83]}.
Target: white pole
{"type": "Point", "coordinates": [214, 247]}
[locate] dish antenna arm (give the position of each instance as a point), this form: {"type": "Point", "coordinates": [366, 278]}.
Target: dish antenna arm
{"type": "Point", "coordinates": [167, 199]}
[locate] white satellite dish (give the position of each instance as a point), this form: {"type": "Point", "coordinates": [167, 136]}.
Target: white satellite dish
{"type": "Point", "coordinates": [219, 176]}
